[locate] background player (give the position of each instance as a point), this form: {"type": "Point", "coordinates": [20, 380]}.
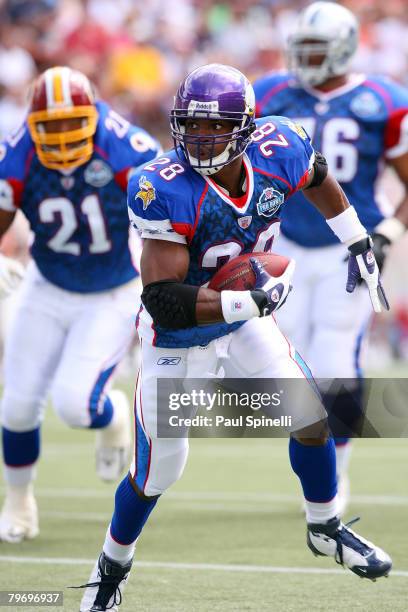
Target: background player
{"type": "Point", "coordinates": [358, 123]}
{"type": "Point", "coordinates": [200, 204]}
{"type": "Point", "coordinates": [67, 168]}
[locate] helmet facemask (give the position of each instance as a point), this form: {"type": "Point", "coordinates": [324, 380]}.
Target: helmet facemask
{"type": "Point", "coordinates": [62, 95]}
{"type": "Point", "coordinates": [189, 146]}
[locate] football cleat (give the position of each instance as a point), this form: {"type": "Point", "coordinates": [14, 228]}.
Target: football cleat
{"type": "Point", "coordinates": [335, 539]}
{"type": "Point", "coordinates": [105, 587]}
{"type": "Point", "coordinates": [19, 515]}
{"type": "Point", "coordinates": [114, 441]}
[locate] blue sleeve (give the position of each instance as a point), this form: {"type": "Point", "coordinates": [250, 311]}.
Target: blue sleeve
{"type": "Point", "coordinates": [161, 208]}
{"type": "Point", "coordinates": [266, 89]}
{"type": "Point", "coordinates": [15, 151]}
{"type": "Point", "coordinates": [126, 145]}
{"type": "Point", "coordinates": [395, 99]}
{"type": "Point", "coordinates": [284, 150]}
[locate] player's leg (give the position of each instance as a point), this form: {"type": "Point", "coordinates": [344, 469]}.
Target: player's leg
{"type": "Point", "coordinates": [339, 322]}
{"type": "Point", "coordinates": [33, 347]}
{"type": "Point", "coordinates": [158, 463]}
{"type": "Point", "coordinates": [259, 350]}
{"type": "Point", "coordinates": [295, 319]}
{"type": "Point", "coordinates": [100, 333]}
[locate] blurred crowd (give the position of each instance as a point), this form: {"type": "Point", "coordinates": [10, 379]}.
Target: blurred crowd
{"type": "Point", "coordinates": [137, 52]}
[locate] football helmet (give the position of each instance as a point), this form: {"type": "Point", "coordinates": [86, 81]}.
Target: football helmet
{"type": "Point", "coordinates": [327, 32]}
{"type": "Point", "coordinates": [61, 94]}
{"type": "Point", "coordinates": [213, 91]}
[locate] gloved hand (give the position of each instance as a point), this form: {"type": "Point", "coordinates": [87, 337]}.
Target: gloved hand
{"type": "Point", "coordinates": [11, 275]}
{"type": "Point", "coordinates": [270, 292]}
{"type": "Point", "coordinates": [362, 265]}
{"type": "Point", "coordinates": [381, 246]}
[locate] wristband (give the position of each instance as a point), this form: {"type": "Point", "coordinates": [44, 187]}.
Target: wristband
{"type": "Point", "coordinates": [347, 226]}
{"type": "Point", "coordinates": [238, 306]}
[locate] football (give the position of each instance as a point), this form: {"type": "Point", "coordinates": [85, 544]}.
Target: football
{"type": "Point", "coordinates": [237, 274]}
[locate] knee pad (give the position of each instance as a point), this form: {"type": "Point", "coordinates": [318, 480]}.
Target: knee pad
{"type": "Point", "coordinates": [20, 413]}
{"type": "Point", "coordinates": [71, 405]}
{"type": "Point", "coordinates": [167, 461]}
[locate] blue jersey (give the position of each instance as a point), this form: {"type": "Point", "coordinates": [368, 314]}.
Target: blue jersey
{"type": "Point", "coordinates": [79, 220]}
{"type": "Point", "coordinates": [356, 127]}
{"type": "Point", "coordinates": [168, 200]}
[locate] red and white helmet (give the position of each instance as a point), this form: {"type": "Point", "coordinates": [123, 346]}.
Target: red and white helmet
{"type": "Point", "coordinates": [61, 93]}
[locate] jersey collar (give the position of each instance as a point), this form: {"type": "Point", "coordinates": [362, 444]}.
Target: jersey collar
{"type": "Point", "coordinates": [354, 81]}
{"type": "Point", "coordinates": [240, 204]}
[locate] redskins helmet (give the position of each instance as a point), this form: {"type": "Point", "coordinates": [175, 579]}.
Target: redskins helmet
{"type": "Point", "coordinates": [58, 94]}
{"type": "Point", "coordinates": [325, 30]}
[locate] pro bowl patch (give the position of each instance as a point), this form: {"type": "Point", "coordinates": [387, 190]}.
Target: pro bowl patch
{"type": "Point", "coordinates": [365, 104]}
{"type": "Point", "coordinates": [98, 173]}
{"type": "Point", "coordinates": [270, 201]}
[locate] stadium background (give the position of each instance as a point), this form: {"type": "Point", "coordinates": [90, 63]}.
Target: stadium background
{"type": "Point", "coordinates": [136, 53]}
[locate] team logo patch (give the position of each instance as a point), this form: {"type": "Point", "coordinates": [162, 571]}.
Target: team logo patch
{"type": "Point", "coordinates": [98, 173]}
{"type": "Point", "coordinates": [67, 182]}
{"type": "Point", "coordinates": [245, 222]}
{"type": "Point", "coordinates": [169, 361]}
{"type": "Point", "coordinates": [295, 127]}
{"type": "Point", "coordinates": [146, 193]}
{"type": "Point", "coordinates": [270, 201]}
{"type": "Point", "coordinates": [365, 104]}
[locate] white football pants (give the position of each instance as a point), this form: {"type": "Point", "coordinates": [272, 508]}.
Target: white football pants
{"type": "Point", "coordinates": [323, 321]}
{"type": "Point", "coordinates": [66, 343]}
{"type": "Point", "coordinates": [256, 350]}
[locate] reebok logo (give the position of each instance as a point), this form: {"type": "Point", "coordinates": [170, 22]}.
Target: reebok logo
{"type": "Point", "coordinates": [169, 361]}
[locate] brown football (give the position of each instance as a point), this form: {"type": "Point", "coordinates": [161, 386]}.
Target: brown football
{"type": "Point", "coordinates": [237, 274]}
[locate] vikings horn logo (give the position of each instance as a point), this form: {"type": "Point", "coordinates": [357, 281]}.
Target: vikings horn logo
{"type": "Point", "coordinates": [147, 192]}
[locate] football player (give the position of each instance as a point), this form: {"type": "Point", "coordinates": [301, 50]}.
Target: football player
{"type": "Point", "coordinates": [67, 169]}
{"type": "Point", "coordinates": [189, 206]}
{"type": "Point", "coordinates": [359, 124]}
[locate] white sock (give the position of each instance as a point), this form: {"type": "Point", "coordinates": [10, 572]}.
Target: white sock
{"type": "Point", "coordinates": [343, 452]}
{"type": "Point", "coordinates": [21, 476]}
{"type": "Point", "coordinates": [122, 553]}
{"type": "Point", "coordinates": [321, 513]}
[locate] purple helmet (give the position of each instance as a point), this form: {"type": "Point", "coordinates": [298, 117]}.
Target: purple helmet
{"type": "Point", "coordinates": [213, 91]}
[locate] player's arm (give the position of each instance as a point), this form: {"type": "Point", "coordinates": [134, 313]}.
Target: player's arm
{"type": "Point", "coordinates": [175, 305]}
{"type": "Point", "coordinates": [324, 192]}
{"type": "Point", "coordinates": [168, 300]}
{"type": "Point", "coordinates": [392, 228]}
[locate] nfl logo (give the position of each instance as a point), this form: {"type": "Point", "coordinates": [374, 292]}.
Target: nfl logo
{"type": "Point", "coordinates": [245, 222]}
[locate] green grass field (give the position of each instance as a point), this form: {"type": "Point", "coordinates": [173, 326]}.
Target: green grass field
{"type": "Point", "coordinates": [229, 536]}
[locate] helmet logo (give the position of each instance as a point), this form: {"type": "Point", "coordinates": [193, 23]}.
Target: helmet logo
{"type": "Point", "coordinates": [206, 107]}
{"type": "Point", "coordinates": [146, 193]}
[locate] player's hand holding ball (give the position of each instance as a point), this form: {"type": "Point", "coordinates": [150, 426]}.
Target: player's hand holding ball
{"type": "Point", "coordinates": [362, 265]}
{"type": "Point", "coordinates": [11, 275]}
{"type": "Point", "coordinates": [275, 289]}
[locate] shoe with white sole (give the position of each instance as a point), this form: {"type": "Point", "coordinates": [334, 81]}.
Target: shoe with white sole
{"type": "Point", "coordinates": [19, 515]}
{"type": "Point", "coordinates": [104, 590]}
{"type": "Point", "coordinates": [114, 441]}
{"type": "Point", "coordinates": [335, 539]}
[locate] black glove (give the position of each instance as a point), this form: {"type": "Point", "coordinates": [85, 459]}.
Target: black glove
{"type": "Point", "coordinates": [381, 246]}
